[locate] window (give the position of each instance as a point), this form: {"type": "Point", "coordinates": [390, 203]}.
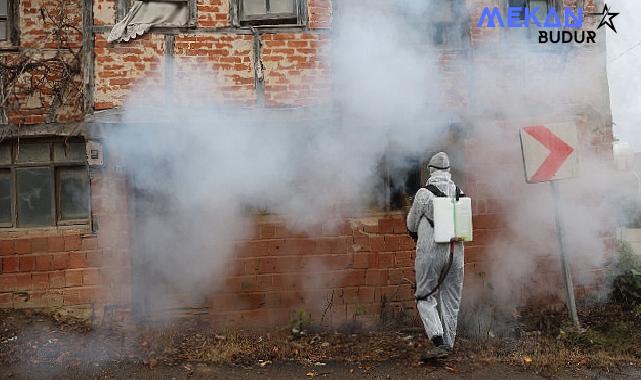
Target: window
{"type": "Point", "coordinates": [531, 33]}
{"type": "Point", "coordinates": [124, 6]}
{"type": "Point", "coordinates": [5, 18]}
{"type": "Point", "coordinates": [397, 180]}
{"type": "Point", "coordinates": [400, 176]}
{"type": "Point", "coordinates": [143, 15]}
{"type": "Point", "coordinates": [270, 12]}
{"type": "Point", "coordinates": [43, 183]}
{"type": "Point", "coordinates": [449, 23]}
{"type": "Point", "coordinates": [543, 5]}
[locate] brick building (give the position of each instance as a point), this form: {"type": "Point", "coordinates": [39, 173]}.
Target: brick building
{"type": "Point", "coordinates": [67, 220]}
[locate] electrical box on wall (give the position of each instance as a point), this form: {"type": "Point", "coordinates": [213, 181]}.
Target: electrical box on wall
{"type": "Point", "coordinates": [94, 153]}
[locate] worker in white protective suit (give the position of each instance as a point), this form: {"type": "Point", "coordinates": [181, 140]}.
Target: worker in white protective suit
{"type": "Point", "coordinates": [439, 266]}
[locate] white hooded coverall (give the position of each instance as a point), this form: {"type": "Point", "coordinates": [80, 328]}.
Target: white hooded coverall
{"type": "Point", "coordinates": [439, 311]}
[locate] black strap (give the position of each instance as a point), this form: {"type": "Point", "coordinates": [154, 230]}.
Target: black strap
{"type": "Point", "coordinates": [436, 191]}
{"type": "Point", "coordinates": [442, 276]}
{"type": "Point", "coordinates": [439, 194]}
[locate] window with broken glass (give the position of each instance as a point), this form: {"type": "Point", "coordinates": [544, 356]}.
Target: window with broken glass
{"type": "Point", "coordinates": [270, 12]}
{"type": "Point", "coordinates": [43, 183]}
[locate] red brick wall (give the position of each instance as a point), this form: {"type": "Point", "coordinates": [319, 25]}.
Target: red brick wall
{"type": "Point", "coordinates": [213, 13]}
{"type": "Point", "coordinates": [36, 32]}
{"type": "Point", "coordinates": [54, 268]}
{"type": "Point", "coordinates": [296, 65]}
{"type": "Point", "coordinates": [46, 62]}
{"type": "Point", "coordinates": [225, 59]}
{"type": "Point", "coordinates": [362, 263]}
{"type": "Point", "coordinates": [120, 67]}
{"type": "Point", "coordinates": [320, 13]}
{"type": "Point", "coordinates": [296, 69]}
{"type": "Point", "coordinates": [104, 12]}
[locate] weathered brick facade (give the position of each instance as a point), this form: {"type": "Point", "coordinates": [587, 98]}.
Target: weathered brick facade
{"type": "Point", "coordinates": [364, 263]}
{"type": "Point", "coordinates": [119, 67]}
{"type": "Point", "coordinates": [42, 76]}
{"type": "Point", "coordinates": [356, 271]}
{"type": "Point", "coordinates": [72, 267]}
{"type": "Point", "coordinates": [296, 69]}
{"type": "Point", "coordinates": [227, 56]}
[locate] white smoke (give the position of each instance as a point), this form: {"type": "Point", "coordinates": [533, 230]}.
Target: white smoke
{"type": "Point", "coordinates": [624, 53]}
{"type": "Point", "coordinates": [210, 166]}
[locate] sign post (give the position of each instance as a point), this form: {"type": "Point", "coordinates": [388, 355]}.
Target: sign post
{"type": "Point", "coordinates": [549, 154]}
{"type": "Point", "coordinates": [565, 267]}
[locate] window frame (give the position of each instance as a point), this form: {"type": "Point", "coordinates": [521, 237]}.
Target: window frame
{"type": "Point", "coordinates": [123, 6]}
{"type": "Point", "coordinates": [57, 182]}
{"type": "Point", "coordinates": [13, 33]}
{"type": "Point", "coordinates": [12, 196]}
{"type": "Point", "coordinates": [442, 31]}
{"type": "Point", "coordinates": [529, 33]}
{"type": "Point", "coordinates": [6, 18]}
{"type": "Point", "coordinates": [53, 166]}
{"type": "Point", "coordinates": [550, 4]}
{"type": "Point", "coordinates": [299, 18]}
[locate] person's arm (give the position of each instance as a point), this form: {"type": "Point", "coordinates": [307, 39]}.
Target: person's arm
{"type": "Point", "coordinates": [416, 211]}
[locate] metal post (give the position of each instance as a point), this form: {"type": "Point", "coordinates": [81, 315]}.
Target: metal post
{"type": "Point", "coordinates": [565, 267]}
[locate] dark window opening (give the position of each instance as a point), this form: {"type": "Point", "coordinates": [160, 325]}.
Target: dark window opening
{"type": "Point", "coordinates": [399, 179]}
{"type": "Point", "coordinates": [400, 176]}
{"type": "Point", "coordinates": [43, 183]}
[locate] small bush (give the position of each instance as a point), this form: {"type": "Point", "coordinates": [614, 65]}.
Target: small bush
{"type": "Point", "coordinates": [627, 281]}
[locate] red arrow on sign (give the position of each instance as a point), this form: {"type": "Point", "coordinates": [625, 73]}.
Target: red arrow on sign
{"type": "Point", "coordinates": [559, 152]}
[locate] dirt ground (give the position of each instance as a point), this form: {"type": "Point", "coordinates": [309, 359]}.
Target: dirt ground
{"type": "Point", "coordinates": [35, 346]}
{"type": "Point", "coordinates": [385, 370]}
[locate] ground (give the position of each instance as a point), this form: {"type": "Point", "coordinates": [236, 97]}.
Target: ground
{"type": "Point", "coordinates": [43, 346]}
{"type": "Point", "coordinates": [385, 370]}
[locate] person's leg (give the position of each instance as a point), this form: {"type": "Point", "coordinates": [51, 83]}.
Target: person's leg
{"type": "Point", "coordinates": [450, 298]}
{"type": "Point", "coordinates": [428, 267]}
{"type": "Point", "coordinates": [429, 316]}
